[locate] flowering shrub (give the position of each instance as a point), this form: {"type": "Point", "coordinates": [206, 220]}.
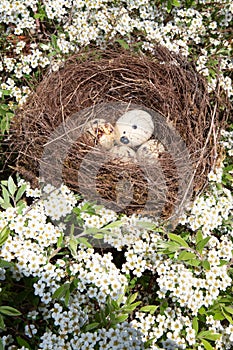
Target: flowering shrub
{"type": "Point", "coordinates": [75, 275]}
{"type": "Point", "coordinates": [39, 34]}
{"type": "Point", "coordinates": [153, 289]}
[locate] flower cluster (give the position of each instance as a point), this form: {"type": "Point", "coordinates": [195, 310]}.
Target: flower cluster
{"type": "Point", "coordinates": [58, 202]}
{"type": "Point", "coordinates": [90, 278]}
{"type": "Point", "coordinates": [123, 337]}
{"type": "Point", "coordinates": [81, 22]}
{"type": "Point", "coordinates": [208, 212]}
{"type": "Point", "coordinates": [172, 323]}
{"type": "Point", "coordinates": [32, 246]}
{"type": "Point", "coordinates": [100, 273]}
{"type": "Point", "coordinates": [227, 141]}
{"type": "Point", "coordinates": [99, 218]}
{"type": "Point", "coordinates": [193, 289]}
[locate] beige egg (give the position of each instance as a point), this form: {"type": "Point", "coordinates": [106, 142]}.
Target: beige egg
{"type": "Point", "coordinates": [123, 153]}
{"type": "Point", "coordinates": [150, 151]}
{"type": "Point", "coordinates": [103, 132]}
{"type": "Point", "coordinates": [134, 128]}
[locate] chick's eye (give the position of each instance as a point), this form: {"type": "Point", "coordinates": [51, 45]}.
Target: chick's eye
{"type": "Point", "coordinates": [134, 126]}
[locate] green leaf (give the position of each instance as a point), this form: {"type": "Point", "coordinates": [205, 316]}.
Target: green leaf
{"type": "Point", "coordinates": [84, 241]}
{"type": "Point", "coordinates": [40, 16]}
{"type": "Point", "coordinates": [131, 298]}
{"type": "Point", "coordinates": [193, 262]}
{"type": "Point", "coordinates": [119, 319]}
{"type": "Point", "coordinates": [114, 224]}
{"type": "Point", "coordinates": [54, 41]}
{"type": "Point", "coordinates": [11, 186]}
{"type": "Point", "coordinates": [23, 342]}
{"type": "Point", "coordinates": [199, 236]}
{"type": "Point", "coordinates": [169, 6]}
{"type": "Point", "coordinates": [195, 324]}
{"type": "Point", "coordinates": [206, 265]}
{"type": "Point", "coordinates": [1, 345]}
{"type": "Point", "coordinates": [147, 225]}
{"type": "Point", "coordinates": [6, 196]}
{"type": "Point", "coordinates": [226, 299]}
{"type": "Point", "coordinates": [112, 305]}
{"type": "Point", "coordinates": [5, 122]}
{"type": "Point", "coordinates": [4, 234]}
{"type": "Point", "coordinates": [37, 15]}
{"type": "Point", "coordinates": [130, 308]}
{"type": "Point", "coordinates": [97, 317]}
{"type": "Point", "coordinates": [2, 324]}
{"type": "Point", "coordinates": [72, 227]}
{"type": "Point", "coordinates": [60, 241]}
{"type": "Point", "coordinates": [149, 308]}
{"type": "Point", "coordinates": [201, 244]}
{"type": "Point", "coordinates": [206, 344]}
{"type": "Point", "coordinates": [202, 311]}
{"type": "Point", "coordinates": [74, 284]}
{"type": "Point", "coordinates": [92, 231]}
{"type": "Point", "coordinates": [9, 311]}
{"type": "Point", "coordinates": [5, 264]}
{"type": "Point", "coordinates": [123, 44]}
{"type": "Point", "coordinates": [209, 335]}
{"type": "Point", "coordinates": [167, 247]}
{"type": "Point", "coordinates": [176, 3]}
{"type": "Point", "coordinates": [163, 306]}
{"type": "Point", "coordinates": [228, 168]}
{"type": "Point", "coordinates": [186, 256]}
{"type": "Point", "coordinates": [20, 206]}
{"type": "Point", "coordinates": [20, 192]}
{"type": "Point", "coordinates": [5, 205]}
{"type": "Point", "coordinates": [98, 236]}
{"type": "Point", "coordinates": [223, 262]}
{"type": "Point", "coordinates": [219, 316]}
{"type": "Point", "coordinates": [73, 245]}
{"type": "Point", "coordinates": [91, 326]}
{"type": "Point", "coordinates": [61, 291]}
{"type": "Point", "coordinates": [228, 309]}
{"type": "Point", "coordinates": [227, 315]}
{"type": "Point", "coordinates": [148, 343]}
{"type": "Point", "coordinates": [178, 240]}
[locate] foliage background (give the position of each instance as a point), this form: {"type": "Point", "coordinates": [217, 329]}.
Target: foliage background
{"type": "Point", "coordinates": [153, 289]}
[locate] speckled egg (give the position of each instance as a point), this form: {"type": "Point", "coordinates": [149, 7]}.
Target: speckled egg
{"type": "Point", "coordinates": [103, 132]}
{"type": "Point", "coordinates": [123, 153]}
{"type": "Point", "coordinates": [134, 128]}
{"type": "Point", "coordinates": [150, 151]}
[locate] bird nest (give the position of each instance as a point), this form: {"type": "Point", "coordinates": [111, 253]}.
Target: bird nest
{"type": "Point", "coordinates": [134, 132]}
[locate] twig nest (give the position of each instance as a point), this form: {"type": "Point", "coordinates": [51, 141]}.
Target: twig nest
{"type": "Point", "coordinates": [123, 153]}
{"type": "Point", "coordinates": [134, 128]}
{"type": "Point", "coordinates": [102, 131]}
{"type": "Point", "coordinates": [65, 133]}
{"type": "Point", "coordinates": [150, 151]}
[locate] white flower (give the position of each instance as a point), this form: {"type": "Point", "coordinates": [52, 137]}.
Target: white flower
{"type": "Point", "coordinates": [30, 330]}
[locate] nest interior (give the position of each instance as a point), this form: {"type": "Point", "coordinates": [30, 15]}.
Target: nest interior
{"type": "Point", "coordinates": [165, 83]}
